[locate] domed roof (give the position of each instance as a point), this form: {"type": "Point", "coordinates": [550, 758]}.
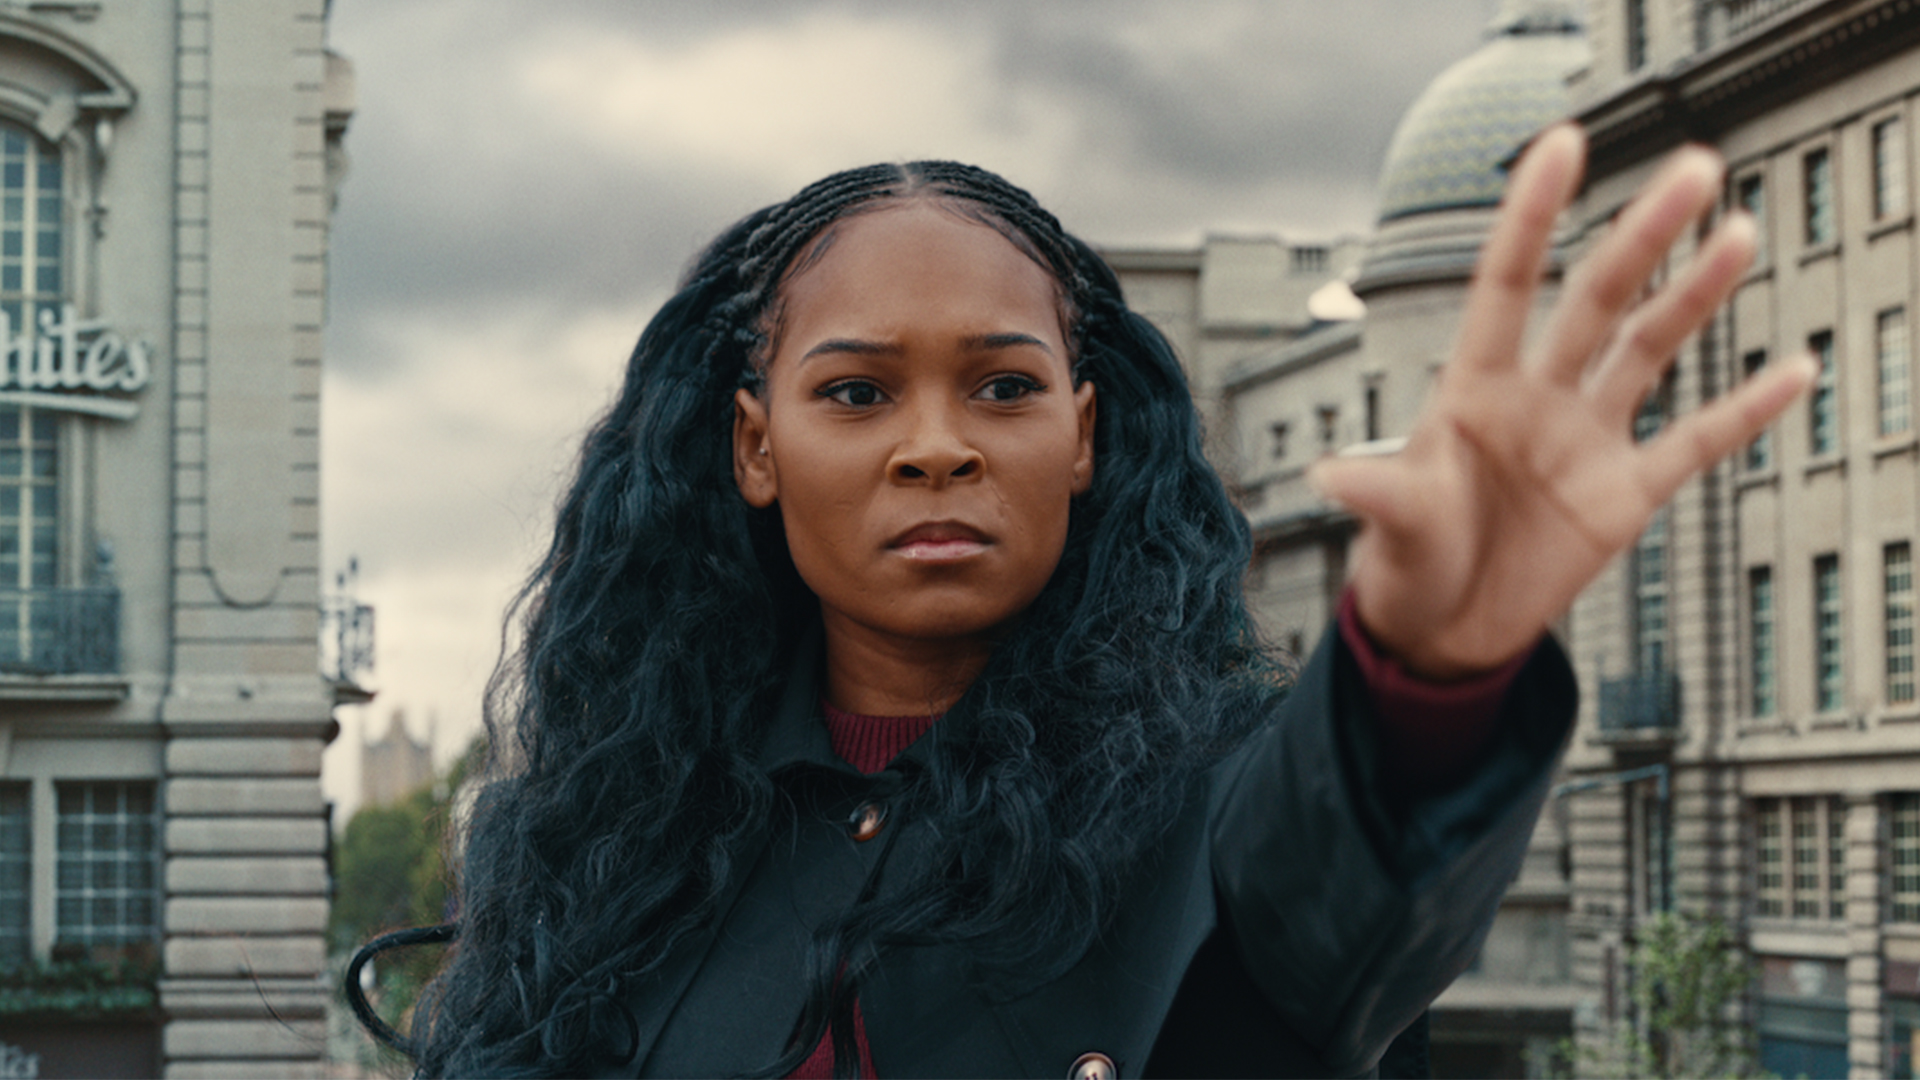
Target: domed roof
{"type": "Point", "coordinates": [1446, 154]}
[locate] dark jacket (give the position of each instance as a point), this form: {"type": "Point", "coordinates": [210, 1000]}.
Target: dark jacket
{"type": "Point", "coordinates": [1296, 918]}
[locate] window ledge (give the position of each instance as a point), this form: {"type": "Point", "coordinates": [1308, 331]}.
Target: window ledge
{"type": "Point", "coordinates": [63, 687]}
{"type": "Point", "coordinates": [1832, 461]}
{"type": "Point", "coordinates": [1761, 270]}
{"type": "Point", "coordinates": [1907, 714]}
{"type": "Point", "coordinates": [1757, 478]}
{"type": "Point", "coordinates": [1833, 721]}
{"type": "Point", "coordinates": [1889, 227]}
{"type": "Point", "coordinates": [1779, 935]}
{"type": "Point", "coordinates": [1889, 445]}
{"type": "Point", "coordinates": [1817, 252]}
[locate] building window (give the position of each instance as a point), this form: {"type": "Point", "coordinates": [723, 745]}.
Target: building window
{"type": "Point", "coordinates": [1800, 858]}
{"type": "Point", "coordinates": [1823, 417]}
{"type": "Point", "coordinates": [1770, 858]}
{"type": "Point", "coordinates": [1836, 859]}
{"type": "Point", "coordinates": [31, 275]}
{"type": "Point", "coordinates": [1890, 345]}
{"type": "Point", "coordinates": [1652, 855]}
{"type": "Point", "coordinates": [1750, 194]}
{"type": "Point", "coordinates": [1818, 171]}
{"type": "Point", "coordinates": [28, 498]}
{"type": "Point", "coordinates": [1653, 411]}
{"type": "Point", "coordinates": [32, 282]}
{"type": "Point", "coordinates": [1898, 578]}
{"type": "Point", "coordinates": [1650, 556]}
{"type": "Point", "coordinates": [16, 862]}
{"type": "Point", "coordinates": [1650, 627]}
{"type": "Point", "coordinates": [1761, 669]}
{"type": "Point", "coordinates": [1308, 260]}
{"type": "Point", "coordinates": [1903, 812]}
{"type": "Point", "coordinates": [1278, 430]}
{"type": "Point", "coordinates": [29, 526]}
{"type": "Point", "coordinates": [1809, 869]}
{"type": "Point", "coordinates": [1828, 680]}
{"type": "Point", "coordinates": [107, 863]}
{"type": "Point", "coordinates": [1636, 35]}
{"type": "Point", "coordinates": [1373, 411]}
{"type": "Point", "coordinates": [1329, 427]}
{"type": "Point", "coordinates": [1760, 450]}
{"type": "Point", "coordinates": [1889, 170]}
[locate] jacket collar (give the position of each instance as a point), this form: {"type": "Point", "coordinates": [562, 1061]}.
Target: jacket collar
{"type": "Point", "coordinates": [798, 734]}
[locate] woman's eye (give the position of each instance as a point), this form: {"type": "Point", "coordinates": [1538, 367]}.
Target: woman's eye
{"type": "Point", "coordinates": [860, 395]}
{"type": "Point", "coordinates": [1009, 388]}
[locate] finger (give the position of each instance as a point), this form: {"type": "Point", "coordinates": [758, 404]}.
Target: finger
{"type": "Point", "coordinates": [1610, 279]}
{"type": "Point", "coordinates": [1508, 273]}
{"type": "Point", "coordinates": [1650, 337]}
{"type": "Point", "coordinates": [1727, 424]}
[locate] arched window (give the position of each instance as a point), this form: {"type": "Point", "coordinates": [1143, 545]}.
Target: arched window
{"type": "Point", "coordinates": [59, 362]}
{"type": "Point", "coordinates": [32, 281]}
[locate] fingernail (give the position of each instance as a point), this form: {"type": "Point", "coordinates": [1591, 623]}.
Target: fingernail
{"type": "Point", "coordinates": [1374, 447]}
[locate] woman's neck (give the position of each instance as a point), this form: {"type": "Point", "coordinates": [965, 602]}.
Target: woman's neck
{"type": "Point", "coordinates": [874, 673]}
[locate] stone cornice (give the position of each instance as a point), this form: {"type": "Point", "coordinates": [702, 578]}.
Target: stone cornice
{"type": "Point", "coordinates": [1714, 91]}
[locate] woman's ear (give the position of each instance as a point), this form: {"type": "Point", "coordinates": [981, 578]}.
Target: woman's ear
{"type": "Point", "coordinates": [753, 469]}
{"type": "Point", "coordinates": [1083, 459]}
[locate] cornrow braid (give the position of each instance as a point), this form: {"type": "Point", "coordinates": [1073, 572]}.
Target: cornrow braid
{"type": "Point", "coordinates": [661, 619]}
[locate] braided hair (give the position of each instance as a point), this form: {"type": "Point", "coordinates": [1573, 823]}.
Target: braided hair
{"type": "Point", "coordinates": [660, 622]}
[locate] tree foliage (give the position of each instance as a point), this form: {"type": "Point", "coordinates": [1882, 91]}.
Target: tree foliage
{"type": "Point", "coordinates": [1687, 976]}
{"type": "Point", "coordinates": [391, 871]}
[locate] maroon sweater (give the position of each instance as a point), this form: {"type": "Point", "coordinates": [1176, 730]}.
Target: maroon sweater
{"type": "Point", "coordinates": [1431, 737]}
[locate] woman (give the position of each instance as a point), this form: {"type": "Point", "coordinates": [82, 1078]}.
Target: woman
{"type": "Point", "coordinates": [887, 702]}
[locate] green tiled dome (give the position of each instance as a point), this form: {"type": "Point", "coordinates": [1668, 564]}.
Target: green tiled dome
{"type": "Point", "coordinates": [1448, 149]}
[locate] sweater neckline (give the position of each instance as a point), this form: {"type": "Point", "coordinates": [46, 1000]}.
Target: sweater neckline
{"type": "Point", "coordinates": [869, 743]}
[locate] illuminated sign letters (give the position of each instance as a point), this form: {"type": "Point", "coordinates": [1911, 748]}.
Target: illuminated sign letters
{"type": "Point", "coordinates": [69, 363]}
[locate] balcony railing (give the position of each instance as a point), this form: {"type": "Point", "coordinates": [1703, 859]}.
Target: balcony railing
{"type": "Point", "coordinates": [1722, 20]}
{"type": "Point", "coordinates": [60, 631]}
{"type": "Point", "coordinates": [1642, 704]}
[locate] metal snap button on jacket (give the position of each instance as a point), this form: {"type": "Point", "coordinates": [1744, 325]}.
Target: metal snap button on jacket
{"type": "Point", "coordinates": [865, 821]}
{"type": "Point", "coordinates": [1093, 1066]}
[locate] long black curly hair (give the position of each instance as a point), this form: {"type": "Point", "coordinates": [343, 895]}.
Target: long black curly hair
{"type": "Point", "coordinates": [658, 627]}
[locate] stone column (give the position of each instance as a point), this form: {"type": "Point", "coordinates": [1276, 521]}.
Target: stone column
{"type": "Point", "coordinates": [1866, 1020]}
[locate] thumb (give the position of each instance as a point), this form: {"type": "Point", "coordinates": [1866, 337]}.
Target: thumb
{"type": "Point", "coordinates": [1375, 489]}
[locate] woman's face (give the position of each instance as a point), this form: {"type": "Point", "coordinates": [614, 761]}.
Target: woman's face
{"type": "Point", "coordinates": [919, 427]}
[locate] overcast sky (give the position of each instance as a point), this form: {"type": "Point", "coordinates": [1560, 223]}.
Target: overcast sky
{"type": "Point", "coordinates": [529, 177]}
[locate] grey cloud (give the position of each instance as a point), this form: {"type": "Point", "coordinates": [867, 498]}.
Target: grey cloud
{"type": "Point", "coordinates": [462, 199]}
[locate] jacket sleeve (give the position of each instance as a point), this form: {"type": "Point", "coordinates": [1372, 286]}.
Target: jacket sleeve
{"type": "Point", "coordinates": [1353, 910]}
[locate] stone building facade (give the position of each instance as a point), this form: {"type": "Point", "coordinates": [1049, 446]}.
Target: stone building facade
{"type": "Point", "coordinates": [166, 180]}
{"type": "Point", "coordinates": [1757, 646]}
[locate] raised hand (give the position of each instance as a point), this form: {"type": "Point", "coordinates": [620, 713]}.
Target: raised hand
{"type": "Point", "coordinates": [1522, 479]}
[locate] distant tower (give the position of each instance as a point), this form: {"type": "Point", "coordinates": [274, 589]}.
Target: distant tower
{"type": "Point", "coordinates": [394, 764]}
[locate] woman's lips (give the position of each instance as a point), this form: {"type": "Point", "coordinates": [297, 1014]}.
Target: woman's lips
{"type": "Point", "coordinates": [940, 541]}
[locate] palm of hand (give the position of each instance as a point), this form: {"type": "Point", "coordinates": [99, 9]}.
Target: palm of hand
{"type": "Point", "coordinates": [1521, 479]}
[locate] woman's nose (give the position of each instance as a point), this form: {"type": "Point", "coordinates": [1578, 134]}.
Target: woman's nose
{"type": "Point", "coordinates": [935, 451]}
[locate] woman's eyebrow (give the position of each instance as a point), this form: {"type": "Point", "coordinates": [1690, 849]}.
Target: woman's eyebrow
{"type": "Point", "coordinates": [855, 346]}
{"type": "Point", "coordinates": [989, 342]}
{"type": "Point", "coordinates": [975, 343]}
